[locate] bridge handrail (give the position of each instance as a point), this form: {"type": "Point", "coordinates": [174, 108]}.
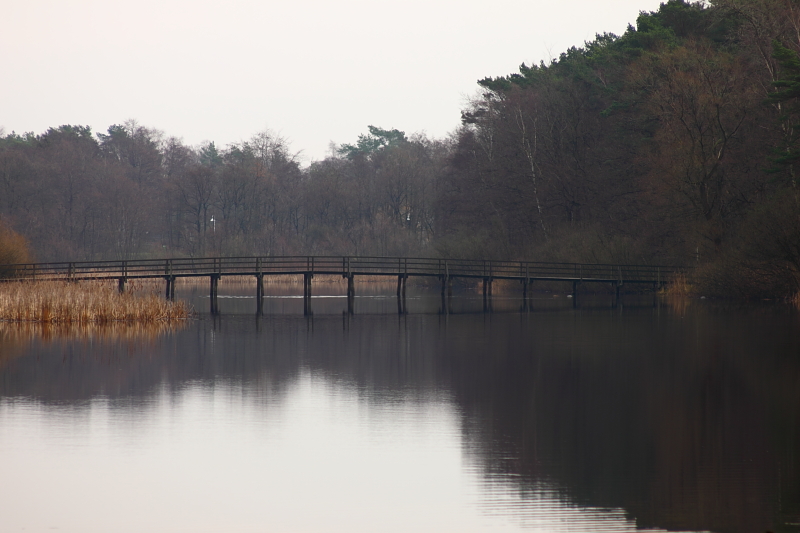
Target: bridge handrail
{"type": "Point", "coordinates": [345, 265]}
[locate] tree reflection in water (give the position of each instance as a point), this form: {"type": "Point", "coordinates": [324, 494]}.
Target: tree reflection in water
{"type": "Point", "coordinates": [682, 417]}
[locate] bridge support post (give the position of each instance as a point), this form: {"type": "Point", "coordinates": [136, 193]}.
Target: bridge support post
{"type": "Point", "coordinates": [449, 294]}
{"type": "Point", "coordinates": [575, 285]}
{"type": "Point", "coordinates": [487, 295]}
{"type": "Point", "coordinates": [260, 294]}
{"type": "Point", "coordinates": [351, 293]}
{"type": "Point", "coordinates": [307, 293]}
{"type": "Point", "coordinates": [528, 294]}
{"type": "Point", "coordinates": [445, 282]}
{"type": "Point", "coordinates": [214, 290]}
{"type": "Point", "coordinates": [525, 282]}
{"type": "Point", "coordinates": [401, 293]}
{"type": "Point", "coordinates": [170, 290]}
{"type": "Point", "coordinates": [405, 284]}
{"type": "Point", "coordinates": [445, 310]}
{"type": "Point", "coordinates": [616, 295]}
{"type": "Point", "coordinates": [123, 279]}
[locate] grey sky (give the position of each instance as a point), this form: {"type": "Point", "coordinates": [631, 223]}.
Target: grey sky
{"type": "Point", "coordinates": [312, 71]}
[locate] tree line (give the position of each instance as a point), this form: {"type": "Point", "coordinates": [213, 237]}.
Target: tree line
{"type": "Point", "coordinates": [675, 142]}
{"type": "Point", "coordinates": [132, 192]}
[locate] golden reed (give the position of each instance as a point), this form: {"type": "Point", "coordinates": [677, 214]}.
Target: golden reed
{"type": "Point", "coordinates": [679, 286]}
{"type": "Point", "coordinates": [57, 302]}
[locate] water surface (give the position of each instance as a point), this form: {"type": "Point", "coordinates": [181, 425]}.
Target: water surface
{"type": "Point", "coordinates": [587, 418]}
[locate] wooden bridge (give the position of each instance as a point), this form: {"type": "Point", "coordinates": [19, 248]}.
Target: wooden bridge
{"type": "Point", "coordinates": [445, 270]}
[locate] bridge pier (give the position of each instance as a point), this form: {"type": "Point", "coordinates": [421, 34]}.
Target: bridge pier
{"type": "Point", "coordinates": [401, 302]}
{"type": "Point", "coordinates": [260, 294]}
{"type": "Point", "coordinates": [487, 295]}
{"type": "Point", "coordinates": [123, 279]}
{"type": "Point", "coordinates": [402, 280]}
{"type": "Point", "coordinates": [525, 286]}
{"type": "Point", "coordinates": [575, 285]}
{"type": "Point", "coordinates": [351, 293]}
{"type": "Point", "coordinates": [259, 288]}
{"type": "Point", "coordinates": [169, 294]}
{"type": "Point", "coordinates": [307, 293]}
{"type": "Point", "coordinates": [214, 290]}
{"type": "Point", "coordinates": [447, 293]}
{"type": "Point", "coordinates": [399, 292]}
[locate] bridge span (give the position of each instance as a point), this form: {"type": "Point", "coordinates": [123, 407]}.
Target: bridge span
{"type": "Point", "coordinates": [349, 267]}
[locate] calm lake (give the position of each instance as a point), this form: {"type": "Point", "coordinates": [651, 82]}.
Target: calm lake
{"type": "Point", "coordinates": [647, 415]}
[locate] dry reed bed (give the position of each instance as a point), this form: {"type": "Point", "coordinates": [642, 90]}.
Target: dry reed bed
{"type": "Point", "coordinates": [679, 286]}
{"type": "Point", "coordinates": [83, 303]}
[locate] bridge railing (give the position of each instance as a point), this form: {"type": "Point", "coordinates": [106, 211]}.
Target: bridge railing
{"type": "Point", "coordinates": [344, 265]}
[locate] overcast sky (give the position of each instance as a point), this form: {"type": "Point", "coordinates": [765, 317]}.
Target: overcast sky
{"type": "Point", "coordinates": [312, 71]}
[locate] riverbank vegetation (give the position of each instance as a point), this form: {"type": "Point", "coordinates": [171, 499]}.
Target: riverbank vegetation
{"type": "Point", "coordinates": [55, 302]}
{"type": "Point", "coordinates": [14, 249]}
{"type": "Point", "coordinates": [673, 143]}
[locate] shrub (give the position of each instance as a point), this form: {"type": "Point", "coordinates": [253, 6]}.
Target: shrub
{"type": "Point", "coordinates": [13, 250]}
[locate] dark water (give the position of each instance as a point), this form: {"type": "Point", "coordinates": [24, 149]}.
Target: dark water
{"type": "Point", "coordinates": [681, 416]}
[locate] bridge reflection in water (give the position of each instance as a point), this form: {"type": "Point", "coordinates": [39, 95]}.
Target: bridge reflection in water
{"type": "Point", "coordinates": [677, 418]}
{"type": "Point", "coordinates": [350, 267]}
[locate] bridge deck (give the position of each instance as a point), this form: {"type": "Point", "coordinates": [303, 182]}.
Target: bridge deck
{"type": "Point", "coordinates": [346, 266]}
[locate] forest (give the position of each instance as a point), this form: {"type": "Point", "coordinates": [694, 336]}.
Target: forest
{"type": "Point", "coordinates": [673, 143]}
